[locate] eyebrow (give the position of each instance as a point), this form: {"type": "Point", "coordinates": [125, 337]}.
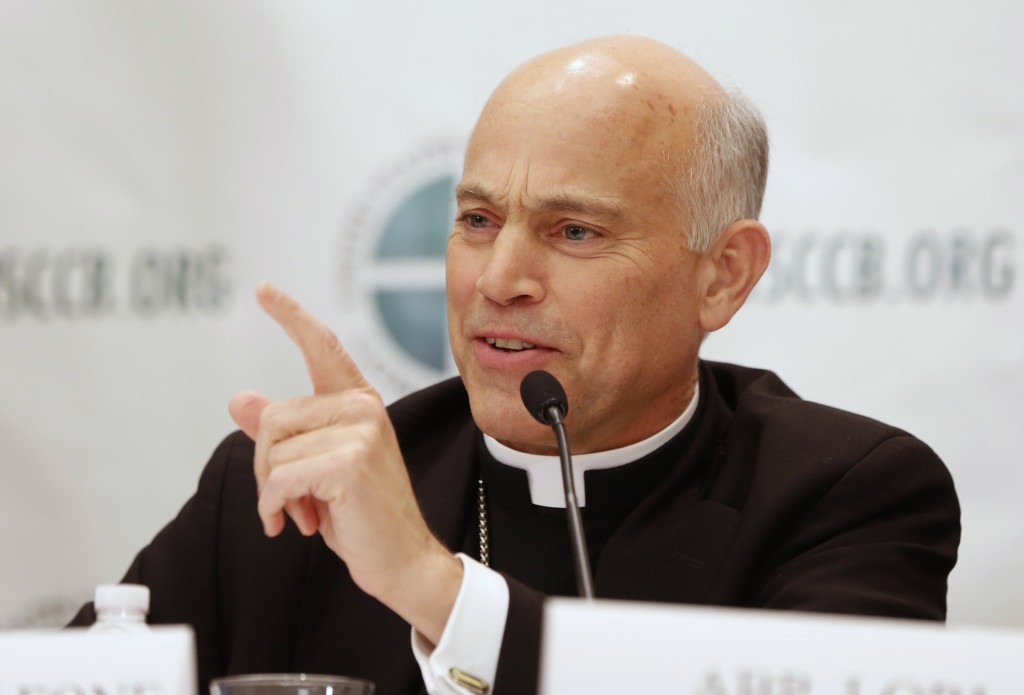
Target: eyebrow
{"type": "Point", "coordinates": [587, 205]}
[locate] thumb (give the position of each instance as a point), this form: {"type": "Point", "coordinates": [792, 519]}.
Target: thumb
{"type": "Point", "coordinates": [245, 408]}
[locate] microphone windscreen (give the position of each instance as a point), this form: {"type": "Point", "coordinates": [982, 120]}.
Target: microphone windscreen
{"type": "Point", "coordinates": [540, 391]}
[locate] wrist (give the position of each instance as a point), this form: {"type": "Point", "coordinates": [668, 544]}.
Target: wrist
{"type": "Point", "coordinates": [428, 594]}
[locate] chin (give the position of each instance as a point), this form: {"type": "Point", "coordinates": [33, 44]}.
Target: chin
{"type": "Point", "coordinates": [508, 421]}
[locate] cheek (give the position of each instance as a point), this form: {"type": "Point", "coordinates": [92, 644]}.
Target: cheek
{"type": "Point", "coordinates": [460, 278]}
{"type": "Point", "coordinates": [607, 319]}
{"type": "Point", "coordinates": [649, 313]}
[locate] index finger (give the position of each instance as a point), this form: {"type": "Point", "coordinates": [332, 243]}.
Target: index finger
{"type": "Point", "coordinates": [330, 367]}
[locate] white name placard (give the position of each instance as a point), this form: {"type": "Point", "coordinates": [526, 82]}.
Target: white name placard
{"type": "Point", "coordinates": [617, 647]}
{"type": "Point", "coordinates": [160, 661]}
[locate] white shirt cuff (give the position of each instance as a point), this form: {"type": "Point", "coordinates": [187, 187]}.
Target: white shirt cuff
{"type": "Point", "coordinates": [465, 661]}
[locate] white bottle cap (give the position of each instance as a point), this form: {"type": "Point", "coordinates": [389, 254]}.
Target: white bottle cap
{"type": "Point", "coordinates": [122, 597]}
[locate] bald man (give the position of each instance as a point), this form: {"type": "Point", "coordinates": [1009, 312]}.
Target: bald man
{"type": "Point", "coordinates": [607, 221]}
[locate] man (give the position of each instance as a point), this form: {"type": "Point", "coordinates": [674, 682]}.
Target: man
{"type": "Point", "coordinates": [606, 222]}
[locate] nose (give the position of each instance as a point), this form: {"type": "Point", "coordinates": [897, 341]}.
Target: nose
{"type": "Point", "coordinates": [514, 269]}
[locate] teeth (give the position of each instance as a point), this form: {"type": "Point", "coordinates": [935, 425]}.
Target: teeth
{"type": "Point", "coordinates": [510, 344]}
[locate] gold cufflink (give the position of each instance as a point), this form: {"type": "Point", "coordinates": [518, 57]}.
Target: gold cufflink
{"type": "Point", "coordinates": [469, 681]}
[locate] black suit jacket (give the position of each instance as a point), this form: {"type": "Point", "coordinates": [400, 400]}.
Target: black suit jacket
{"type": "Point", "coordinates": [799, 506]}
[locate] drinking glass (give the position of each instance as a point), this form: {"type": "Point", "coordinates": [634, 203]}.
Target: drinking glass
{"type": "Point", "coordinates": [289, 684]}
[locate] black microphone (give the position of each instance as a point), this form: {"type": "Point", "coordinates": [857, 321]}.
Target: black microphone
{"type": "Point", "coordinates": [545, 398]}
{"type": "Point", "coordinates": [541, 391]}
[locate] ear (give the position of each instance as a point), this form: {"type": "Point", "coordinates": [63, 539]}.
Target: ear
{"type": "Point", "coordinates": [733, 265]}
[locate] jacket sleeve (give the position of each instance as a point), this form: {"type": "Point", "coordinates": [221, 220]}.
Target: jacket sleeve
{"type": "Point", "coordinates": [519, 661]}
{"type": "Point", "coordinates": [880, 541]}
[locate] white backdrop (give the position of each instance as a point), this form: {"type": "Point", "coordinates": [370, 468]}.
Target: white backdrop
{"type": "Point", "coordinates": [158, 159]}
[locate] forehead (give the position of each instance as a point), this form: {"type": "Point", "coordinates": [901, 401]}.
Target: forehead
{"type": "Point", "coordinates": [603, 137]}
{"type": "Point", "coordinates": [545, 158]}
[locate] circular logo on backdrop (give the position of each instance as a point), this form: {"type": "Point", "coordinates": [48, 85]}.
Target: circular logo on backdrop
{"type": "Point", "coordinates": [391, 271]}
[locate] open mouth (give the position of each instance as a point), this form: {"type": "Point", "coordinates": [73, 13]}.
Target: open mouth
{"type": "Point", "coordinates": [510, 344]}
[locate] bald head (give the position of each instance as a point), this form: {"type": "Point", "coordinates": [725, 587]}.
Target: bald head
{"type": "Point", "coordinates": [645, 100]}
{"type": "Point", "coordinates": [639, 77]}
{"type": "Point", "coordinates": [632, 71]}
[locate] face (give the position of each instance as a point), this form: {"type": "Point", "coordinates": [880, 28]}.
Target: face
{"type": "Point", "coordinates": [569, 254]}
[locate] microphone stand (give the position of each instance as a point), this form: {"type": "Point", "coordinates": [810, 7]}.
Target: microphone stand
{"type": "Point", "coordinates": [581, 559]}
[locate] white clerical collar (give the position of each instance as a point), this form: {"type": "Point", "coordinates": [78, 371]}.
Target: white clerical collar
{"type": "Point", "coordinates": [544, 473]}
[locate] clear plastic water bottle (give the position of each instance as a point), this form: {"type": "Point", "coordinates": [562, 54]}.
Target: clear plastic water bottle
{"type": "Point", "coordinates": [121, 608]}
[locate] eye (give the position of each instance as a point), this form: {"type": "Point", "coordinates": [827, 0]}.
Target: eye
{"type": "Point", "coordinates": [475, 220]}
{"type": "Point", "coordinates": [576, 232]}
